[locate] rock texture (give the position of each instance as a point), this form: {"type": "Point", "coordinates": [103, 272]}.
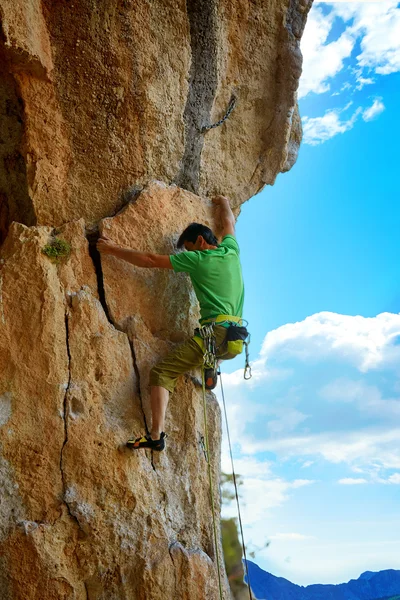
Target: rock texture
{"type": "Point", "coordinates": [124, 88]}
{"type": "Point", "coordinates": [90, 518]}
{"type": "Point", "coordinates": [98, 99]}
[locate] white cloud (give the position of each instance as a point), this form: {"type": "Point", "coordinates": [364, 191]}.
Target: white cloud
{"type": "Point", "coordinates": [395, 478]}
{"type": "Point", "coordinates": [332, 558]}
{"type": "Point", "coordinates": [342, 420]}
{"type": "Point", "coordinates": [259, 496]}
{"type": "Point", "coordinates": [371, 445]}
{"type": "Point", "coordinates": [376, 478]}
{"type": "Point", "coordinates": [248, 466]}
{"type": "Point", "coordinates": [260, 373]}
{"type": "Point", "coordinates": [368, 398]}
{"type": "Point", "coordinates": [352, 481]}
{"type": "Point", "coordinates": [325, 395]}
{"type": "Point", "coordinates": [362, 81]}
{"type": "Point", "coordinates": [291, 536]}
{"type": "Point", "coordinates": [318, 130]}
{"type": "Point", "coordinates": [261, 490]}
{"type": "Point", "coordinates": [287, 420]}
{"type": "Point", "coordinates": [237, 418]}
{"type": "Point", "coordinates": [373, 111]}
{"type": "Point", "coordinates": [321, 61]}
{"type": "Point", "coordinates": [365, 342]}
{"type": "Point", "coordinates": [375, 25]}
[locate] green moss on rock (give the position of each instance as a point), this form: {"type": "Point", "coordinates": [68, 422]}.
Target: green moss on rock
{"type": "Point", "coordinates": [57, 249]}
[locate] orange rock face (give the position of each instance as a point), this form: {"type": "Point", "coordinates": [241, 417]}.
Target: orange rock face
{"type": "Point", "coordinates": [87, 516]}
{"type": "Point", "coordinates": [104, 115]}
{"type": "Point", "coordinates": [97, 97]}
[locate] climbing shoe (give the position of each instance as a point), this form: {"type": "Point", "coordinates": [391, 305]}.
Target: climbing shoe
{"type": "Point", "coordinates": [147, 442]}
{"type": "Point", "coordinates": [211, 378]}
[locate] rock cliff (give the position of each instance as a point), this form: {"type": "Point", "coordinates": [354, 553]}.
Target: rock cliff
{"type": "Point", "coordinates": [104, 109]}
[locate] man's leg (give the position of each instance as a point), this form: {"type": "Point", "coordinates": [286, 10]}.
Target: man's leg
{"type": "Point", "coordinates": [163, 378]}
{"type": "Point", "coordinates": [159, 397]}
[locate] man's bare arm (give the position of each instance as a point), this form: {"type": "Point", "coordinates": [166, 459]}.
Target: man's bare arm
{"type": "Point", "coordinates": [139, 259]}
{"type": "Point", "coordinates": [227, 218]}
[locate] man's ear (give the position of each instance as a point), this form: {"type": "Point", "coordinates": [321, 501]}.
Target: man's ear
{"type": "Point", "coordinates": [201, 241]}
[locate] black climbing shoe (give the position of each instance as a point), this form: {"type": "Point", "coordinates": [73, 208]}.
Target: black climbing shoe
{"type": "Point", "coordinates": [211, 378]}
{"type": "Point", "coordinates": [147, 442]}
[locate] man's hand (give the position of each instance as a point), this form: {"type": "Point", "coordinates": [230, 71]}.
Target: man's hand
{"type": "Point", "coordinates": [220, 200]}
{"type": "Point", "coordinates": [106, 246]}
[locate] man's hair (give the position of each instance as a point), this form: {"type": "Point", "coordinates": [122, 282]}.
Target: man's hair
{"type": "Point", "coordinates": [193, 231]}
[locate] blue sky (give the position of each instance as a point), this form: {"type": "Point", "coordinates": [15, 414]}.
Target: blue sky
{"type": "Point", "coordinates": [317, 430]}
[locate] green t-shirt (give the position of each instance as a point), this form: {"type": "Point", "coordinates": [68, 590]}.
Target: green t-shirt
{"type": "Point", "coordinates": [216, 276]}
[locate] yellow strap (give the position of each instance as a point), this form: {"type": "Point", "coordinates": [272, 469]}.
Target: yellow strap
{"type": "Point", "coordinates": [221, 318]}
{"type": "Point", "coordinates": [199, 341]}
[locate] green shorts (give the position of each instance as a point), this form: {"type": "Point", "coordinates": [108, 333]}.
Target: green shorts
{"type": "Point", "coordinates": [186, 357]}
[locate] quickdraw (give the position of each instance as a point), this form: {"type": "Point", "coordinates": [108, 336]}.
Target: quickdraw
{"type": "Point", "coordinates": [247, 368]}
{"type": "Point", "coordinates": [210, 346]}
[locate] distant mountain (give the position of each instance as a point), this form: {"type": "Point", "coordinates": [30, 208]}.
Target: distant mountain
{"type": "Point", "coordinates": [383, 585]}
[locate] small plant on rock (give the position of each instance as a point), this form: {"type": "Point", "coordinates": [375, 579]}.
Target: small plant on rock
{"type": "Point", "coordinates": [57, 250]}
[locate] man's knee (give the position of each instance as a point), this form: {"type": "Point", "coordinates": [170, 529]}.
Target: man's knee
{"type": "Point", "coordinates": [161, 379]}
{"type": "Point", "coordinates": [186, 357]}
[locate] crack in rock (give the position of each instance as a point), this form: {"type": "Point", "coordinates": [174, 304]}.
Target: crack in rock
{"type": "Point", "coordinates": [139, 393]}
{"type": "Point", "coordinates": [65, 417]}
{"type": "Point", "coordinates": [92, 238]}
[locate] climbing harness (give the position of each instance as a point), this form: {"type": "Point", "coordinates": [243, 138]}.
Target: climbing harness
{"type": "Point", "coordinates": [231, 106]}
{"type": "Point", "coordinates": [236, 337]}
{"type": "Point", "coordinates": [206, 332]}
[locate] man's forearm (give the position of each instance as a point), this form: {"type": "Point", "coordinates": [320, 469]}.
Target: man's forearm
{"type": "Point", "coordinates": [226, 213]}
{"type": "Point", "coordinates": [139, 259]}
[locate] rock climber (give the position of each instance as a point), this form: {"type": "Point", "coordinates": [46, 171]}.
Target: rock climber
{"type": "Point", "coordinates": [216, 276]}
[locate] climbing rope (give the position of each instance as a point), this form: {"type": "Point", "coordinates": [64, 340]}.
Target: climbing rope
{"type": "Point", "coordinates": [207, 454]}
{"type": "Point", "coordinates": [235, 484]}
{"type": "Point", "coordinates": [231, 106]}
{"type": "Point", "coordinates": [210, 362]}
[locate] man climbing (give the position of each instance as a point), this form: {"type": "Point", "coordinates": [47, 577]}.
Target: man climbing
{"type": "Point", "coordinates": [216, 275]}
